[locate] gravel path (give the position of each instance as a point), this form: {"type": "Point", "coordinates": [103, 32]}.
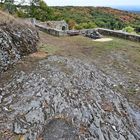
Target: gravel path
{"type": "Point", "coordinates": [66, 99]}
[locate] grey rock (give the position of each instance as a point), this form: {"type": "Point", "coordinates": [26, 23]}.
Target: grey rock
{"type": "Point", "coordinates": [80, 104]}
{"type": "Point", "coordinates": [38, 94]}
{"type": "Point", "coordinates": [60, 129]}
{"type": "Point", "coordinates": [17, 128]}
{"type": "Point", "coordinates": [16, 41]}
{"type": "Point", "coordinates": [35, 116]}
{"type": "Point", "coordinates": [0, 98]}
{"type": "Point", "coordinates": [5, 108]}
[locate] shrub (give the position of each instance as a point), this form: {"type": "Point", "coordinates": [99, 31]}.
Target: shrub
{"type": "Point", "coordinates": [128, 29]}
{"type": "Point", "coordinates": [88, 25]}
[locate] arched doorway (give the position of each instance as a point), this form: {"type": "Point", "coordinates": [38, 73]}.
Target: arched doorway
{"type": "Point", "coordinates": [63, 28]}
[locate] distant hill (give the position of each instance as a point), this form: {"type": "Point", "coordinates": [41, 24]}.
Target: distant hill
{"type": "Point", "coordinates": [136, 12]}
{"type": "Point", "coordinates": [128, 8]}
{"type": "Point", "coordinates": [100, 16]}
{"type": "Point", "coordinates": [133, 9]}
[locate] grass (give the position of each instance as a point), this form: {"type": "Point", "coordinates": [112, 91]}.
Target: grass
{"type": "Point", "coordinates": [80, 46]}
{"type": "Point", "coordinates": [4, 17]}
{"type": "Point", "coordinates": [7, 19]}
{"type": "Point", "coordinates": [50, 49]}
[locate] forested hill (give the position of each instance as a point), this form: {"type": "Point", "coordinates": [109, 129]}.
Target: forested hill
{"type": "Point", "coordinates": [97, 16]}
{"type": "Point", "coordinates": [78, 17]}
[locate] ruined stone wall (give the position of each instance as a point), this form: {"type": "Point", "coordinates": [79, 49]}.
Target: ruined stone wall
{"type": "Point", "coordinates": [51, 31]}
{"type": "Point", "coordinates": [119, 34]}
{"type": "Point", "coordinates": [114, 33]}
{"type": "Point", "coordinates": [102, 31]}
{"type": "Point", "coordinates": [60, 25]}
{"type": "Point", "coordinates": [16, 40]}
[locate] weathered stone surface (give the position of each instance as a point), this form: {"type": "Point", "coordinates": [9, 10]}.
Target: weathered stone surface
{"type": "Point", "coordinates": [59, 129]}
{"type": "Point", "coordinates": [79, 104]}
{"type": "Point", "coordinates": [51, 31]}
{"type": "Point", "coordinates": [16, 40]}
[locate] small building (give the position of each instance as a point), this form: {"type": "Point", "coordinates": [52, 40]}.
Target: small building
{"type": "Point", "coordinates": [60, 25]}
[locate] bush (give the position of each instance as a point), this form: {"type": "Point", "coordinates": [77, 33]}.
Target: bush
{"type": "Point", "coordinates": [88, 25]}
{"type": "Point", "coordinates": [21, 14]}
{"type": "Point", "coordinates": [128, 29]}
{"type": "Point", "coordinates": [71, 24]}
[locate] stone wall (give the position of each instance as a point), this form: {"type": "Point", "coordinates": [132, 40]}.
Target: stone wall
{"type": "Point", "coordinates": [114, 33]}
{"type": "Point", "coordinates": [102, 31]}
{"type": "Point", "coordinates": [51, 31]}
{"type": "Point", "coordinates": [119, 34]}
{"type": "Point", "coordinates": [60, 25]}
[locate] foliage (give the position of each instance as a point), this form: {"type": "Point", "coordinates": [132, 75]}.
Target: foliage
{"type": "Point", "coordinates": [128, 29]}
{"type": "Point", "coordinates": [21, 14]}
{"type": "Point", "coordinates": [88, 25]}
{"type": "Point", "coordinates": [71, 24]}
{"type": "Point", "coordinates": [107, 21]}
{"type": "Point", "coordinates": [98, 16]}
{"type": "Point", "coordinates": [40, 11]}
{"type": "Point", "coordinates": [37, 9]}
{"type": "Point", "coordinates": [137, 28]}
{"type": "Point", "coordinates": [9, 6]}
{"type": "Point", "coordinates": [76, 17]}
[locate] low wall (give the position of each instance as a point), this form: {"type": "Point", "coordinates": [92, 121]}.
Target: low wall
{"type": "Point", "coordinates": [102, 31]}
{"type": "Point", "coordinates": [119, 34]}
{"type": "Point", "coordinates": [51, 31]}
{"type": "Point", "coordinates": [114, 33]}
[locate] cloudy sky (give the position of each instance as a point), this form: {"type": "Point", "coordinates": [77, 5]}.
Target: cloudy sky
{"type": "Point", "coordinates": [93, 2]}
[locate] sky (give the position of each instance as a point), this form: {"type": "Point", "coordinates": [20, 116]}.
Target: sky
{"type": "Point", "coordinates": [93, 2]}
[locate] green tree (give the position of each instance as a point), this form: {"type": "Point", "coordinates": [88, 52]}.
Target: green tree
{"type": "Point", "coordinates": [21, 13]}
{"type": "Point", "coordinates": [33, 5]}
{"type": "Point", "coordinates": [40, 10]}
{"type": "Point", "coordinates": [9, 6]}
{"type": "Point", "coordinates": [88, 25]}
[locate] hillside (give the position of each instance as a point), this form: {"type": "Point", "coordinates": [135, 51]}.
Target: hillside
{"type": "Point", "coordinates": [80, 17]}
{"type": "Point", "coordinates": [82, 90]}
{"type": "Point", "coordinates": [17, 39]}
{"type": "Point", "coordinates": [70, 88]}
{"type": "Point", "coordinates": [100, 16]}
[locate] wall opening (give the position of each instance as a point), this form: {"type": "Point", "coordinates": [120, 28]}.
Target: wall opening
{"type": "Point", "coordinates": [63, 28]}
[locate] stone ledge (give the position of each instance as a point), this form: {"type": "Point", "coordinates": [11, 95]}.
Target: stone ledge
{"type": "Point", "coordinates": [119, 34]}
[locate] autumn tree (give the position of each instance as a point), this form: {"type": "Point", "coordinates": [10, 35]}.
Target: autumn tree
{"type": "Point", "coordinates": [71, 24]}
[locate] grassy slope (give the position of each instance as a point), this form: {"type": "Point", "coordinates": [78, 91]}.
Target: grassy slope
{"type": "Point", "coordinates": [5, 18]}
{"type": "Point", "coordinates": [77, 43]}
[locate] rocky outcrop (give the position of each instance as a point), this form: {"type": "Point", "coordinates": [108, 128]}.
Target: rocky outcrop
{"type": "Point", "coordinates": [16, 40]}
{"type": "Point", "coordinates": [66, 98]}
